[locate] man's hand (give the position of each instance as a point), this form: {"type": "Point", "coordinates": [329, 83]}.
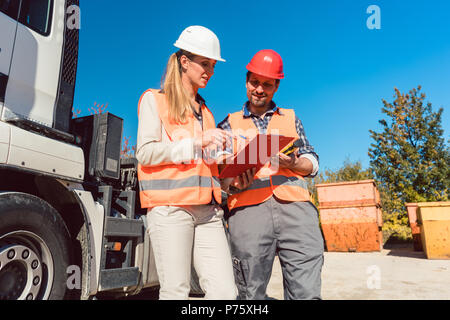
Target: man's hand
{"type": "Point", "coordinates": [287, 162]}
{"type": "Point", "coordinates": [302, 166]}
{"type": "Point", "coordinates": [244, 180]}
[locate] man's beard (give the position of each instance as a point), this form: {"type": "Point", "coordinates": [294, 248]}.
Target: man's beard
{"type": "Point", "coordinates": [258, 103]}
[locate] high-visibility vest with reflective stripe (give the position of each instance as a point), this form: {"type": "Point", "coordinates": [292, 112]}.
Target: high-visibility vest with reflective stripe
{"type": "Point", "coordinates": [191, 183]}
{"type": "Point", "coordinates": [285, 184]}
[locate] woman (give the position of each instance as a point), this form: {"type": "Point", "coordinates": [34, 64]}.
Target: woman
{"type": "Point", "coordinates": [178, 186]}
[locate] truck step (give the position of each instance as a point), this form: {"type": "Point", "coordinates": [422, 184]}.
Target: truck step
{"type": "Point", "coordinates": [119, 227]}
{"type": "Point", "coordinates": [118, 278]}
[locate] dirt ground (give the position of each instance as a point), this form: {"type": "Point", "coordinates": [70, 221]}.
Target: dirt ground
{"type": "Point", "coordinates": [397, 273]}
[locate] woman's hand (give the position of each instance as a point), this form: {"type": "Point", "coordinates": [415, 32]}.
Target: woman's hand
{"type": "Point", "coordinates": [216, 137]}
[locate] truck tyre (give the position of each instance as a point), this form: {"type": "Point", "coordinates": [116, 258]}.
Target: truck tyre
{"type": "Point", "coordinates": [35, 249]}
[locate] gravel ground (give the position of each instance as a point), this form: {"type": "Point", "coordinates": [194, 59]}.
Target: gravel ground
{"type": "Point", "coordinates": [392, 274]}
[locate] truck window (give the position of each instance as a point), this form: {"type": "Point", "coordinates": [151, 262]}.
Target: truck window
{"type": "Point", "coordinates": [10, 8]}
{"type": "Point", "coordinates": [37, 15]}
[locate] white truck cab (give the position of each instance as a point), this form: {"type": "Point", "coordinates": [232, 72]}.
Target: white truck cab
{"type": "Point", "coordinates": [31, 60]}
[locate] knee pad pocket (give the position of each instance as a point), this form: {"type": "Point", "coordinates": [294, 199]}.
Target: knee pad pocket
{"type": "Point", "coordinates": [240, 274]}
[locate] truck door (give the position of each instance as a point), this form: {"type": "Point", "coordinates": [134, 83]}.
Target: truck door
{"type": "Point", "coordinates": [35, 66]}
{"type": "Point", "coordinates": [9, 10]}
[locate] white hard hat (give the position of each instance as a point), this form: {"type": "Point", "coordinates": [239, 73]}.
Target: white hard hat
{"type": "Point", "coordinates": [200, 41]}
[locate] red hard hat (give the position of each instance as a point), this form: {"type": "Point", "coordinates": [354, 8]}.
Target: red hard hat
{"type": "Point", "coordinates": [267, 63]}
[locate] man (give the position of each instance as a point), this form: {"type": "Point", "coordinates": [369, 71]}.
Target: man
{"type": "Point", "coordinates": [272, 213]}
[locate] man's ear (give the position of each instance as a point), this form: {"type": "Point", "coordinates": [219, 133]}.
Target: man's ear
{"type": "Point", "coordinates": [277, 84]}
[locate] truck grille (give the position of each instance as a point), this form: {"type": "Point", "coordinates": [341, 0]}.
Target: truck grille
{"type": "Point", "coordinates": [68, 75]}
{"type": "Point", "coordinates": [70, 51]}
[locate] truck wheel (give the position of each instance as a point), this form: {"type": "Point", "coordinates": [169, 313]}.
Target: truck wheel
{"type": "Point", "coordinates": [34, 249]}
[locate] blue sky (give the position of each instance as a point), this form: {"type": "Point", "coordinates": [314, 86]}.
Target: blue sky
{"type": "Point", "coordinates": [337, 70]}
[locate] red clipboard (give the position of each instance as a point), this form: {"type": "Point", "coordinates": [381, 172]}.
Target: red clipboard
{"type": "Point", "coordinates": [256, 153]}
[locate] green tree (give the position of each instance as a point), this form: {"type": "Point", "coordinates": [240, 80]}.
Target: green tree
{"type": "Point", "coordinates": [350, 171]}
{"type": "Point", "coordinates": [409, 157]}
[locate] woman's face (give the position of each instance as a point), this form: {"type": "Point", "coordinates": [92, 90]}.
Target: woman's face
{"type": "Point", "coordinates": [198, 70]}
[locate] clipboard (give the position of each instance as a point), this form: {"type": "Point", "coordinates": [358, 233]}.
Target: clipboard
{"type": "Point", "coordinates": [256, 153]}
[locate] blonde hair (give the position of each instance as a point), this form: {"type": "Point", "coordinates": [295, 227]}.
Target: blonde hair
{"type": "Point", "coordinates": [177, 98]}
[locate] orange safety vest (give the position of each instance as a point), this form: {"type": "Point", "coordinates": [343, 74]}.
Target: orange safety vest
{"type": "Point", "coordinates": [191, 183]}
{"type": "Point", "coordinates": [285, 184]}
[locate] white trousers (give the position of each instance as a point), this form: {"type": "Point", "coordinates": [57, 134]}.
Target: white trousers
{"type": "Point", "coordinates": [194, 235]}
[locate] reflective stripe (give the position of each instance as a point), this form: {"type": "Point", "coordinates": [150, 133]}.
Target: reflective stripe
{"type": "Point", "coordinates": [259, 184]}
{"type": "Point", "coordinates": [216, 182]}
{"type": "Point", "coordinates": [169, 184]}
{"type": "Point", "coordinates": [289, 181]}
{"type": "Point", "coordinates": [277, 181]}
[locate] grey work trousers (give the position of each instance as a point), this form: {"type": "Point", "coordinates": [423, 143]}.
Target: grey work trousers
{"type": "Point", "coordinates": [291, 230]}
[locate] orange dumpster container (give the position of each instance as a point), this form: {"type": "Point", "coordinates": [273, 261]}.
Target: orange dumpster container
{"type": "Point", "coordinates": [350, 216]}
{"type": "Point", "coordinates": [434, 220]}
{"type": "Point", "coordinates": [415, 228]}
